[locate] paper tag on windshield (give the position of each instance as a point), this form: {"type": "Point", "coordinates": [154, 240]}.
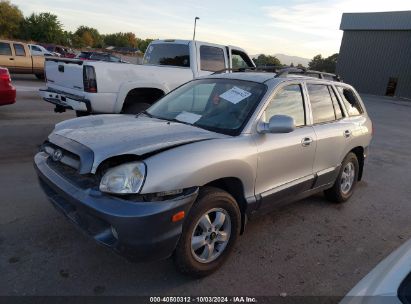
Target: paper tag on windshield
{"type": "Point", "coordinates": [235, 95]}
{"type": "Point", "coordinates": [188, 117]}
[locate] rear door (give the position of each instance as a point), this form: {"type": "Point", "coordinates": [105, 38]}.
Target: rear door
{"type": "Point", "coordinates": [6, 55]}
{"type": "Point", "coordinates": [22, 62]}
{"type": "Point", "coordinates": [332, 131]}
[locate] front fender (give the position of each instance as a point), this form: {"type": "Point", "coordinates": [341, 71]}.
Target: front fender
{"type": "Point", "coordinates": [125, 88]}
{"type": "Point", "coordinates": [202, 162]}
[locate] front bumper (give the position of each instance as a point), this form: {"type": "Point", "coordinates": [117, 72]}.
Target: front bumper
{"type": "Point", "coordinates": [66, 101]}
{"type": "Point", "coordinates": [137, 230]}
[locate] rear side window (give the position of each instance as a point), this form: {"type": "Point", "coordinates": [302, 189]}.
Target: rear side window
{"type": "Point", "coordinates": [19, 49]}
{"type": "Point", "coordinates": [5, 49]}
{"type": "Point", "coordinates": [172, 54]}
{"type": "Point", "coordinates": [211, 58]}
{"type": "Point", "coordinates": [321, 103]}
{"type": "Point", "coordinates": [288, 101]}
{"type": "Point", "coordinates": [350, 101]}
{"type": "Point", "coordinates": [337, 107]}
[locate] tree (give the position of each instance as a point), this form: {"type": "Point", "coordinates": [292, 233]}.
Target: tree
{"type": "Point", "coordinates": [42, 27]}
{"type": "Point", "coordinates": [267, 60]}
{"type": "Point", "coordinates": [89, 36]}
{"type": "Point", "coordinates": [142, 44]}
{"type": "Point", "coordinates": [321, 64]}
{"type": "Point", "coordinates": [10, 20]}
{"type": "Point", "coordinates": [87, 39]}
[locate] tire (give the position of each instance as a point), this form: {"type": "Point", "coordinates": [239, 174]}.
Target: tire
{"type": "Point", "coordinates": [136, 108]}
{"type": "Point", "coordinates": [39, 76]}
{"type": "Point", "coordinates": [214, 202]}
{"type": "Point", "coordinates": [341, 191]}
{"type": "Point", "coordinates": [81, 113]}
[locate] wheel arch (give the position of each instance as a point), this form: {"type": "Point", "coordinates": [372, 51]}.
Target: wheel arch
{"type": "Point", "coordinates": [234, 186]}
{"type": "Point", "coordinates": [359, 152]}
{"type": "Point", "coordinates": [131, 88]}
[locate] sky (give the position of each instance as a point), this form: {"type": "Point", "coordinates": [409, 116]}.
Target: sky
{"type": "Point", "coordinates": [293, 27]}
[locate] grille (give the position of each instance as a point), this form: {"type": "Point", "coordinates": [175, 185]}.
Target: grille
{"type": "Point", "coordinates": [83, 181]}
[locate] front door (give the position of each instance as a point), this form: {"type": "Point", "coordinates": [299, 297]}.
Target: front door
{"type": "Point", "coordinates": [285, 161]}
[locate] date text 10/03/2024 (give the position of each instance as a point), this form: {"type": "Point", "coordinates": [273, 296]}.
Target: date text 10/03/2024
{"type": "Point", "coordinates": [239, 299]}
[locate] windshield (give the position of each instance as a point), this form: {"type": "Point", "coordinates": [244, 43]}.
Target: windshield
{"type": "Point", "coordinates": [173, 54]}
{"type": "Point", "coordinates": [219, 105]}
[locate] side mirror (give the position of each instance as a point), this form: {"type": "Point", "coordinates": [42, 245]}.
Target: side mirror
{"type": "Point", "coordinates": [277, 124]}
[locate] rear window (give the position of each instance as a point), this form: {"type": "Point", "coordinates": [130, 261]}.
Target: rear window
{"type": "Point", "coordinates": [350, 101]}
{"type": "Point", "coordinates": [168, 54]}
{"type": "Point", "coordinates": [5, 49]}
{"type": "Point", "coordinates": [211, 58]}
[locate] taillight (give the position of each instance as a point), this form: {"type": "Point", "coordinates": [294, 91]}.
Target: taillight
{"type": "Point", "coordinates": [89, 79]}
{"type": "Point", "coordinates": [4, 75]}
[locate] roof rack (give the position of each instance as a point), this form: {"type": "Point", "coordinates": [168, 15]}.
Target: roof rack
{"type": "Point", "coordinates": [283, 71]}
{"type": "Point", "coordinates": [303, 71]}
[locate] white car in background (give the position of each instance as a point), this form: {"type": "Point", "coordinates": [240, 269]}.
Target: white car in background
{"type": "Point", "coordinates": [38, 50]}
{"type": "Point", "coordinates": [388, 282]}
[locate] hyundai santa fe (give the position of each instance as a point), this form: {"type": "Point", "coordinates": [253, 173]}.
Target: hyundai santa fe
{"type": "Point", "coordinates": [182, 178]}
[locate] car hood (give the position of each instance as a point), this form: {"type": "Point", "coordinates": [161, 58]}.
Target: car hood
{"type": "Point", "coordinates": [113, 135]}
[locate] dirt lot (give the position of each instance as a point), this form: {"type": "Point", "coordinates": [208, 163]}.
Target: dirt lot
{"type": "Point", "coordinates": [310, 247]}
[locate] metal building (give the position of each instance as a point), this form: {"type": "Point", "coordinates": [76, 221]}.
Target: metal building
{"type": "Point", "coordinates": [375, 53]}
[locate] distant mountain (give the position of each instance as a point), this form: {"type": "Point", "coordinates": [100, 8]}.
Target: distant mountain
{"type": "Point", "coordinates": [287, 60]}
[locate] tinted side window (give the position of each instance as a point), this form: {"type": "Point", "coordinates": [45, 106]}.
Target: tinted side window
{"type": "Point", "coordinates": [321, 103]}
{"type": "Point", "coordinates": [5, 49]}
{"type": "Point", "coordinates": [288, 101]}
{"type": "Point", "coordinates": [19, 49]}
{"type": "Point", "coordinates": [350, 101]}
{"type": "Point", "coordinates": [35, 48]}
{"type": "Point", "coordinates": [211, 58]}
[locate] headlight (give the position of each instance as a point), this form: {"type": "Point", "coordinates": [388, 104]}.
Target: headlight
{"type": "Point", "coordinates": [124, 179]}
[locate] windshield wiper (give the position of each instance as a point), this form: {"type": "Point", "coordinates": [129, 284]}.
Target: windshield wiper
{"type": "Point", "coordinates": [145, 113]}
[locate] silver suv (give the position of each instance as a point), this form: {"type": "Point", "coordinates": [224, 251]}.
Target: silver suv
{"type": "Point", "coordinates": [182, 178]}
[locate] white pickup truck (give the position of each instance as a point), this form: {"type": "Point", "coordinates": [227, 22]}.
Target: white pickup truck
{"type": "Point", "coordinates": [107, 87]}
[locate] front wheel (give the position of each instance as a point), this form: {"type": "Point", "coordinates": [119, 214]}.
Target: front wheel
{"type": "Point", "coordinates": [346, 181]}
{"type": "Point", "coordinates": [209, 233]}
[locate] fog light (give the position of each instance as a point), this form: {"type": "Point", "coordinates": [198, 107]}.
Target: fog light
{"type": "Point", "coordinates": [114, 232]}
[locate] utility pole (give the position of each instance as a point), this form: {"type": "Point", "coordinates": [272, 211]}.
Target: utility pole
{"type": "Point", "coordinates": [195, 24]}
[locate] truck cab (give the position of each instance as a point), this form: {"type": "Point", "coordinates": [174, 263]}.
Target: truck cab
{"type": "Point", "coordinates": [17, 58]}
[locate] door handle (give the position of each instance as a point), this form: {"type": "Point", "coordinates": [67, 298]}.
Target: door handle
{"type": "Point", "coordinates": [347, 133]}
{"type": "Point", "coordinates": [11, 58]}
{"type": "Point", "coordinates": [306, 141]}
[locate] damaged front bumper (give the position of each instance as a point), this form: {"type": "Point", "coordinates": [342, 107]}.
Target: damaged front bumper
{"type": "Point", "coordinates": [137, 230]}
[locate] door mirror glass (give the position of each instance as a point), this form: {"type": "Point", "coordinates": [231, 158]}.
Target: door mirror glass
{"type": "Point", "coordinates": [277, 124]}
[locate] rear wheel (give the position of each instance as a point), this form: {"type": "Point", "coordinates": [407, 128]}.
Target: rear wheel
{"type": "Point", "coordinates": [209, 233]}
{"type": "Point", "coordinates": [346, 181]}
